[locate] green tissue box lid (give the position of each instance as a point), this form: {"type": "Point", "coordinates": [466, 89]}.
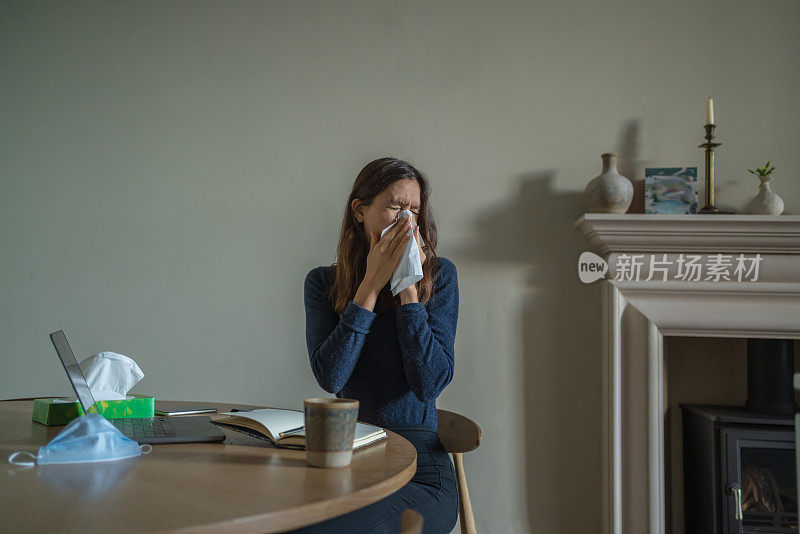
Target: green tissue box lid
{"type": "Point", "coordinates": [50, 413]}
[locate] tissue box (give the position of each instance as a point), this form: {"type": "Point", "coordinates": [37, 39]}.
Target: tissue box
{"type": "Point", "coordinates": [50, 413]}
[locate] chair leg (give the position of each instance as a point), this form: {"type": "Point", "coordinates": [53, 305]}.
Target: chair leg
{"type": "Point", "coordinates": [464, 505]}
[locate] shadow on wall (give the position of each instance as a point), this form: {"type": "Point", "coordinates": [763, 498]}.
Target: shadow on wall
{"type": "Point", "coordinates": [561, 340]}
{"type": "Point", "coordinates": [630, 167]}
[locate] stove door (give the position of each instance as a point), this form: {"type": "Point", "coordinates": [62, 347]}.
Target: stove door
{"type": "Point", "coordinates": [759, 480]}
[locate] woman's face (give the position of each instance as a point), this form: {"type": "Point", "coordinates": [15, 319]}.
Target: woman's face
{"type": "Point", "coordinates": [382, 212]}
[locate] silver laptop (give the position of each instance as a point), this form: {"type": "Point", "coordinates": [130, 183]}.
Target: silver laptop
{"type": "Point", "coordinates": [194, 429]}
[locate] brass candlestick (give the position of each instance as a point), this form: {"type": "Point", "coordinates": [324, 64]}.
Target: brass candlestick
{"type": "Point", "coordinates": [709, 145]}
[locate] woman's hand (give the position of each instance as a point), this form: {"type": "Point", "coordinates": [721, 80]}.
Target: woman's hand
{"type": "Point", "coordinates": [422, 256]}
{"type": "Point", "coordinates": [384, 254]}
{"type": "Point", "coordinates": [410, 294]}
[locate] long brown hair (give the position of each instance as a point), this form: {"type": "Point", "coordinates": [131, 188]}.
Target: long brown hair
{"type": "Point", "coordinates": [351, 254]}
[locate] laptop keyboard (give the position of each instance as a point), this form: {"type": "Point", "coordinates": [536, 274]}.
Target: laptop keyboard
{"type": "Point", "coordinates": [148, 427]}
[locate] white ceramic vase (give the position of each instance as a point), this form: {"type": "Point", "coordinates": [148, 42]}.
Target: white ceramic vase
{"type": "Point", "coordinates": [610, 192]}
{"type": "Point", "coordinates": [766, 202]}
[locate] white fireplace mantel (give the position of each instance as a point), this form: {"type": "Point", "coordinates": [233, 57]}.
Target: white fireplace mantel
{"type": "Point", "coordinates": [638, 314]}
{"type": "Point", "coordinates": [692, 233]}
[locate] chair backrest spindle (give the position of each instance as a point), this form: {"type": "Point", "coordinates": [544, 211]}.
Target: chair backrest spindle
{"type": "Point", "coordinates": [460, 434]}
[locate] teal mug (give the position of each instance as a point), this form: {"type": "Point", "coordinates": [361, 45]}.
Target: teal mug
{"type": "Point", "coordinates": [330, 429]}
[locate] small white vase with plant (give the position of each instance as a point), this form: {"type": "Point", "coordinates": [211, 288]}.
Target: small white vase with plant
{"type": "Point", "coordinates": [766, 202]}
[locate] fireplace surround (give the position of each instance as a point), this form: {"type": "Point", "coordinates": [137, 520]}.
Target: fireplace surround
{"type": "Point", "coordinates": [637, 314]}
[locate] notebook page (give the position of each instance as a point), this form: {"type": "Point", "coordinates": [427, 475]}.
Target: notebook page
{"type": "Point", "coordinates": [275, 419]}
{"type": "Point", "coordinates": [363, 431]}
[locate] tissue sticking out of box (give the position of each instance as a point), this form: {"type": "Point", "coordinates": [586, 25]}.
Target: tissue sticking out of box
{"type": "Point", "coordinates": [110, 375]}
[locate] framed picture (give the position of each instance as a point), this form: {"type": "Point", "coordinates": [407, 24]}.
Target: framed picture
{"type": "Point", "coordinates": [670, 190]}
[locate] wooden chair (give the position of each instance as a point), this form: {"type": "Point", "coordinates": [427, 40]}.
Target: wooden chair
{"type": "Point", "coordinates": [460, 434]}
{"type": "Point", "coordinates": [411, 522]}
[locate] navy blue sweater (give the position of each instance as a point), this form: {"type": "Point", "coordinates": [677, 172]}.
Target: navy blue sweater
{"type": "Point", "coordinates": [395, 363]}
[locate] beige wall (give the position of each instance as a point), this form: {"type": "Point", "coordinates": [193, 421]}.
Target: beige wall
{"type": "Point", "coordinates": [170, 171]}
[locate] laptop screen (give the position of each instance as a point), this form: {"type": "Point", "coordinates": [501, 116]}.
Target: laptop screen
{"type": "Point", "coordinates": [74, 372]}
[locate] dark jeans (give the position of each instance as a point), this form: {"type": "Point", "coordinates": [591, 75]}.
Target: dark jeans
{"type": "Point", "coordinates": [432, 492]}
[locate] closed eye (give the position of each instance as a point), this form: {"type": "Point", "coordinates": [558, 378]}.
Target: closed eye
{"type": "Point", "coordinates": [399, 208]}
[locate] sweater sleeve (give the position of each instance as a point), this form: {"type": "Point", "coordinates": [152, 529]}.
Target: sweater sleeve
{"type": "Point", "coordinates": [427, 336]}
{"type": "Point", "coordinates": [334, 342]}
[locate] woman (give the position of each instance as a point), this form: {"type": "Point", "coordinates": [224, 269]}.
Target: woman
{"type": "Point", "coordinates": [394, 354]}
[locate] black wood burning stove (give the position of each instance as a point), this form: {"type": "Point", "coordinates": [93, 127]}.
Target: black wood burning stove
{"type": "Point", "coordinates": [739, 471]}
{"type": "Point", "coordinates": [739, 462]}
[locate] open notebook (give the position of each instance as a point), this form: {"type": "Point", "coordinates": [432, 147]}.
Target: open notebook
{"type": "Point", "coordinates": [284, 428]}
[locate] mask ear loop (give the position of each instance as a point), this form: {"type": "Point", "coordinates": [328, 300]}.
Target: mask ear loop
{"type": "Point", "coordinates": [142, 448]}
{"type": "Point", "coordinates": [25, 463]}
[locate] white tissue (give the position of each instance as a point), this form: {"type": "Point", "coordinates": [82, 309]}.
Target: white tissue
{"type": "Point", "coordinates": [110, 375]}
{"type": "Point", "coordinates": [409, 268]}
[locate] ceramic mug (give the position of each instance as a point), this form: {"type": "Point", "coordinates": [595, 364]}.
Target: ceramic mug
{"type": "Point", "coordinates": [330, 429]}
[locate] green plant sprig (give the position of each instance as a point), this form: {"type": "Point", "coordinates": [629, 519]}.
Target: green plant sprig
{"type": "Point", "coordinates": [766, 170]}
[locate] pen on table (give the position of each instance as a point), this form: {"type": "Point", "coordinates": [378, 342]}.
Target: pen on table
{"type": "Point", "coordinates": [291, 431]}
{"type": "Point", "coordinates": [281, 434]}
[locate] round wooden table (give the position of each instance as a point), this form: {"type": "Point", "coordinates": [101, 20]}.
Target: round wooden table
{"type": "Point", "coordinates": [242, 485]}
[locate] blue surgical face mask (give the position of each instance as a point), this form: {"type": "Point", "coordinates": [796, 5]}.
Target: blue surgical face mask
{"type": "Point", "coordinates": [90, 438]}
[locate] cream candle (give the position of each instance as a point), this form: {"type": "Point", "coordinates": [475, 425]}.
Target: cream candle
{"type": "Point", "coordinates": [709, 111]}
